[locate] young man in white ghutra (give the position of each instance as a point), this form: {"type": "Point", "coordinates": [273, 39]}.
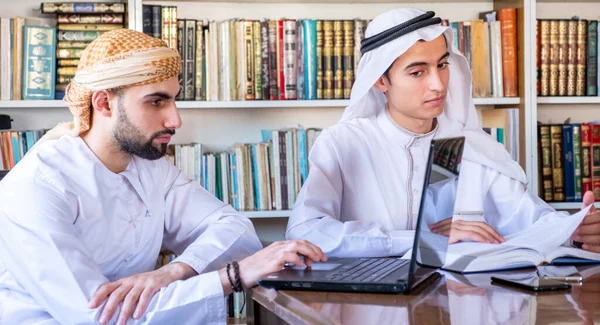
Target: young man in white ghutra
{"type": "Point", "coordinates": [362, 195]}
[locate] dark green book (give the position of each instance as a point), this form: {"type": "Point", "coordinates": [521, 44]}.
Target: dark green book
{"type": "Point", "coordinates": [592, 58]}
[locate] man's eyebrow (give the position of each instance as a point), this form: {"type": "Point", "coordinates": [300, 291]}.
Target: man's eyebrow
{"type": "Point", "coordinates": [415, 64]}
{"type": "Point", "coordinates": [160, 94]}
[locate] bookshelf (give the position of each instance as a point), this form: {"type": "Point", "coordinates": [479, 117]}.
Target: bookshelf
{"type": "Point", "coordinates": [557, 109]}
{"type": "Point", "coordinates": [220, 124]}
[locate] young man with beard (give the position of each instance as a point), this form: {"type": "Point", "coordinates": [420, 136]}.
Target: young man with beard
{"type": "Point", "coordinates": [86, 212]}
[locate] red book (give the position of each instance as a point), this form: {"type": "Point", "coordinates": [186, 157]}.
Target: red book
{"type": "Point", "coordinates": [596, 160]}
{"type": "Point", "coordinates": [280, 60]}
{"type": "Point", "coordinates": [586, 157]}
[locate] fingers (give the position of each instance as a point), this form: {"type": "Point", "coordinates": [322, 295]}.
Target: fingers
{"type": "Point", "coordinates": [144, 301]}
{"type": "Point", "coordinates": [586, 230]}
{"type": "Point", "coordinates": [129, 304]}
{"type": "Point", "coordinates": [457, 235]}
{"type": "Point", "coordinates": [115, 298]}
{"type": "Point", "coordinates": [291, 257]}
{"type": "Point", "coordinates": [588, 198]}
{"type": "Point", "coordinates": [443, 230]}
{"type": "Point", "coordinates": [443, 223]}
{"type": "Point", "coordinates": [588, 239]}
{"type": "Point", "coordinates": [478, 231]}
{"type": "Point", "coordinates": [591, 218]}
{"type": "Point", "coordinates": [103, 292]}
{"type": "Point", "coordinates": [303, 247]}
{"type": "Point", "coordinates": [591, 248]}
{"type": "Point", "coordinates": [488, 231]}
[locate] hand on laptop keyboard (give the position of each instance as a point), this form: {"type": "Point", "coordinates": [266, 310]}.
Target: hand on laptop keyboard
{"type": "Point", "coordinates": [275, 256]}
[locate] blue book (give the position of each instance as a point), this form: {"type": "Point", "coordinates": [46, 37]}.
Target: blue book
{"type": "Point", "coordinates": [568, 165]}
{"type": "Point", "coordinates": [234, 189]}
{"type": "Point", "coordinates": [302, 155]}
{"type": "Point", "coordinates": [30, 140]}
{"type": "Point", "coordinates": [255, 177]}
{"type": "Point", "coordinates": [454, 27]}
{"type": "Point", "coordinates": [39, 62]}
{"type": "Point", "coordinates": [310, 58]}
{"type": "Point", "coordinates": [16, 146]}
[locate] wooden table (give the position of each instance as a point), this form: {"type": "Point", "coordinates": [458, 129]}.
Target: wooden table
{"type": "Point", "coordinates": [449, 299]}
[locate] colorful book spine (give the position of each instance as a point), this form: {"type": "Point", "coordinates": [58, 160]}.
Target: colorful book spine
{"type": "Point", "coordinates": [569, 168]}
{"type": "Point", "coordinates": [310, 58]}
{"type": "Point", "coordinates": [102, 18]}
{"type": "Point", "coordinates": [39, 63]}
{"type": "Point", "coordinates": [83, 7]}
{"type": "Point", "coordinates": [546, 162]}
{"type": "Point", "coordinates": [577, 161]}
{"type": "Point", "coordinates": [592, 59]}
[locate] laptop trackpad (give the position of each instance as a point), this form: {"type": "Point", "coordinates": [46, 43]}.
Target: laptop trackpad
{"type": "Point", "coordinates": [327, 266]}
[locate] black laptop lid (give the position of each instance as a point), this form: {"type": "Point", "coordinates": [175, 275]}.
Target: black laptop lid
{"type": "Point", "coordinates": [437, 202]}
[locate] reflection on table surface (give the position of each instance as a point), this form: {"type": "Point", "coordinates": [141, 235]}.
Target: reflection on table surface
{"type": "Point", "coordinates": [450, 299]}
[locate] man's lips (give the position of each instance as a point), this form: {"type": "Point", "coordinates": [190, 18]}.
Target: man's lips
{"type": "Point", "coordinates": [164, 138]}
{"type": "Point", "coordinates": [436, 100]}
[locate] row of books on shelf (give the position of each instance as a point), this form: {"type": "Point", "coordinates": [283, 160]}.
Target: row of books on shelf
{"type": "Point", "coordinates": [569, 161]}
{"type": "Point", "coordinates": [253, 176]}
{"type": "Point", "coordinates": [262, 176]}
{"type": "Point", "coordinates": [237, 59]}
{"type": "Point", "coordinates": [490, 46]}
{"type": "Point", "coordinates": [36, 61]}
{"type": "Point", "coordinates": [15, 144]}
{"type": "Point", "coordinates": [567, 57]}
{"type": "Point", "coordinates": [234, 303]}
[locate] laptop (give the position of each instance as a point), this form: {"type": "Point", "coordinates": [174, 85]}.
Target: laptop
{"type": "Point", "coordinates": [391, 274]}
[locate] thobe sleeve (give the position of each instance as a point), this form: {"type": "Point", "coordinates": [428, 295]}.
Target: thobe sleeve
{"type": "Point", "coordinates": [317, 211]}
{"type": "Point", "coordinates": [41, 248]}
{"type": "Point", "coordinates": [205, 232]}
{"type": "Point", "coordinates": [508, 206]}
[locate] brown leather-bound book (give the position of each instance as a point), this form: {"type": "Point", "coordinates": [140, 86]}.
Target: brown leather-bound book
{"type": "Point", "coordinates": [338, 70]}
{"type": "Point", "coordinates": [348, 57]}
{"type": "Point", "coordinates": [556, 141]}
{"type": "Point", "coordinates": [562, 57]}
{"type": "Point", "coordinates": [571, 57]}
{"type": "Point", "coordinates": [508, 19]}
{"type": "Point", "coordinates": [328, 59]}
{"type": "Point", "coordinates": [553, 58]}
{"type": "Point", "coordinates": [580, 86]}
{"type": "Point", "coordinates": [480, 59]}
{"type": "Point", "coordinates": [319, 59]}
{"type": "Point", "coordinates": [546, 162]}
{"type": "Point", "coordinates": [545, 57]}
{"type": "Point", "coordinates": [538, 58]}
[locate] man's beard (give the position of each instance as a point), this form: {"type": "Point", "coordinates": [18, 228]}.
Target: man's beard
{"type": "Point", "coordinates": [131, 140]}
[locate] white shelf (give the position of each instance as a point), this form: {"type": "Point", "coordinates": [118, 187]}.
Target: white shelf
{"type": "Point", "coordinates": [266, 214]}
{"type": "Point", "coordinates": [325, 1]}
{"type": "Point", "coordinates": [32, 103]}
{"type": "Point", "coordinates": [570, 205]}
{"type": "Point", "coordinates": [264, 104]}
{"type": "Point", "coordinates": [569, 100]}
{"type": "Point", "coordinates": [339, 103]}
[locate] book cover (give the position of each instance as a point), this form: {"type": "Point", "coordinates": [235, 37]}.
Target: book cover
{"type": "Point", "coordinates": [39, 63]}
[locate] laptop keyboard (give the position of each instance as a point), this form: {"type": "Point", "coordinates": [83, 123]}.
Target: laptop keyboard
{"type": "Point", "coordinates": [367, 270]}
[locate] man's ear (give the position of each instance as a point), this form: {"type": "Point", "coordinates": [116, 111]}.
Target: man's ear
{"type": "Point", "coordinates": [101, 102]}
{"type": "Point", "coordinates": [381, 84]}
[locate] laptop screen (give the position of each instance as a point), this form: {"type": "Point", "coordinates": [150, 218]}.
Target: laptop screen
{"type": "Point", "coordinates": [437, 201]}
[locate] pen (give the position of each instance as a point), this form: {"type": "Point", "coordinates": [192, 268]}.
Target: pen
{"type": "Point", "coordinates": [564, 278]}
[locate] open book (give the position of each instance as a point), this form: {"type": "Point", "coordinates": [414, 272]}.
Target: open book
{"type": "Point", "coordinates": [543, 243]}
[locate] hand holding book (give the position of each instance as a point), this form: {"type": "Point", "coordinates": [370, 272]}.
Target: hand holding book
{"type": "Point", "coordinates": [587, 235]}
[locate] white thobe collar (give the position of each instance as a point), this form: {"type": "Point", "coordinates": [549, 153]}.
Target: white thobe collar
{"type": "Point", "coordinates": [107, 177]}
{"type": "Point", "coordinates": [399, 134]}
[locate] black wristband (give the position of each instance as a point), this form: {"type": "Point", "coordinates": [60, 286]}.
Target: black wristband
{"type": "Point", "coordinates": [233, 288]}
{"type": "Point", "coordinates": [238, 281]}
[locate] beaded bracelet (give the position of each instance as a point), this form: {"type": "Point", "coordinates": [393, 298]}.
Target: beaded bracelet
{"type": "Point", "coordinates": [233, 287]}
{"type": "Point", "coordinates": [238, 281]}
